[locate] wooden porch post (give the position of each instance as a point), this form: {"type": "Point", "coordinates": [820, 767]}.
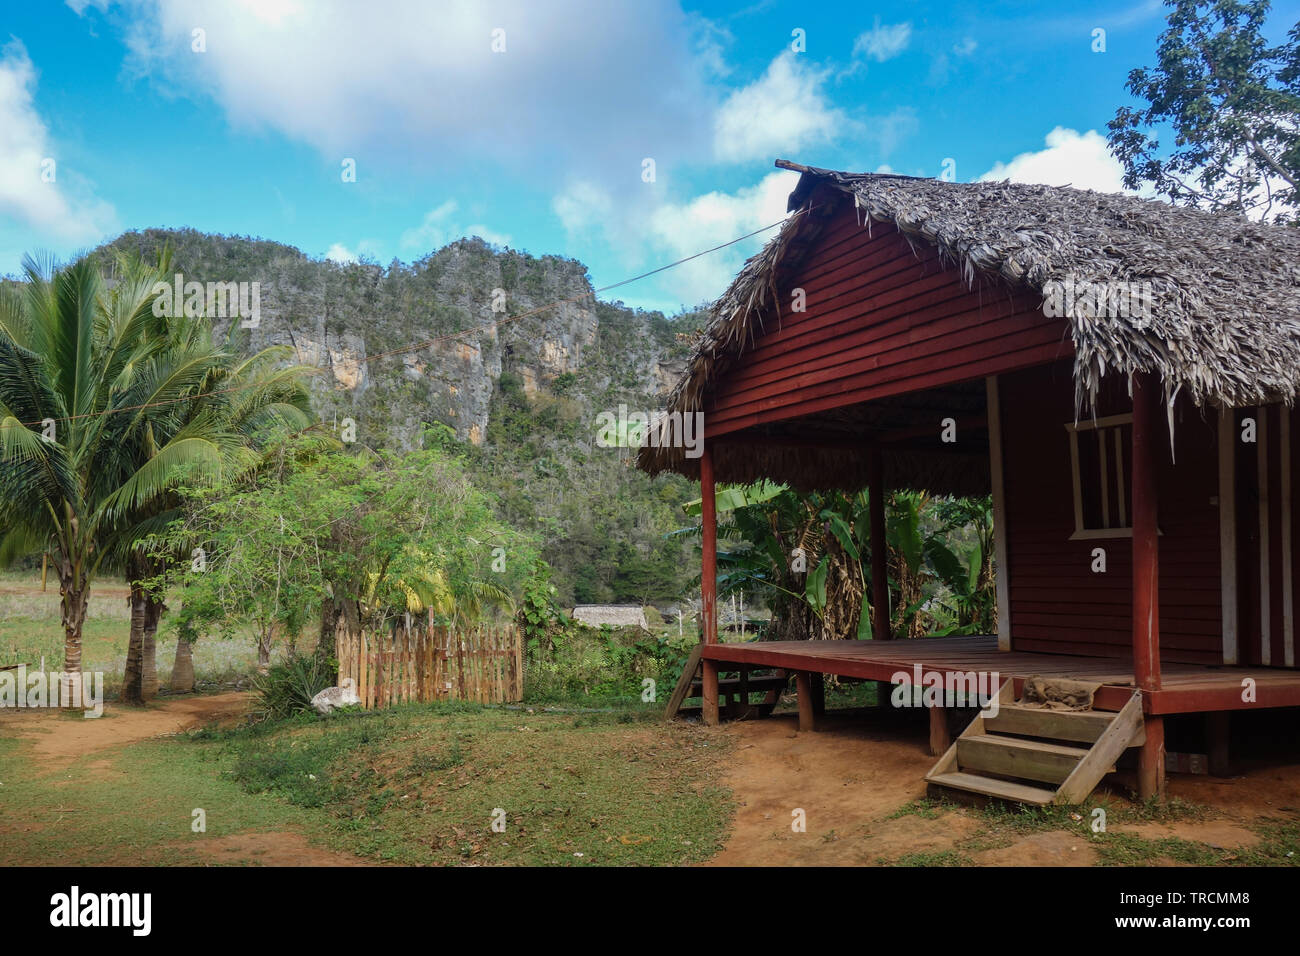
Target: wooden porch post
{"type": "Point", "coordinates": [709, 584]}
{"type": "Point", "coordinates": [803, 685]}
{"type": "Point", "coordinates": [1147, 438]}
{"type": "Point", "coordinates": [879, 553]}
{"type": "Point", "coordinates": [880, 630]}
{"type": "Point", "coordinates": [1217, 732]}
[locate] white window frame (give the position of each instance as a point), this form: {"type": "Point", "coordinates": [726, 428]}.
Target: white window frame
{"type": "Point", "coordinates": [1124, 529]}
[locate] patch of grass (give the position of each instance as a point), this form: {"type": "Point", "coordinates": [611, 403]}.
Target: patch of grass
{"type": "Point", "coordinates": [1279, 844]}
{"type": "Point", "coordinates": [1129, 849]}
{"type": "Point", "coordinates": [926, 807]}
{"type": "Point", "coordinates": [31, 630]}
{"type": "Point", "coordinates": [418, 784]}
{"type": "Point", "coordinates": [416, 787]}
{"type": "Point", "coordinates": [931, 858]}
{"type": "Point", "coordinates": [136, 811]}
{"type": "Point", "coordinates": [1278, 839]}
{"type": "Point", "coordinates": [851, 694]}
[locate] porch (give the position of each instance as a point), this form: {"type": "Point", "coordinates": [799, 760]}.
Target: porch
{"type": "Point", "coordinates": [1184, 688]}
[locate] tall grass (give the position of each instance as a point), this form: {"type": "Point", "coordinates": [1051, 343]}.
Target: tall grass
{"type": "Point", "coordinates": [31, 631]}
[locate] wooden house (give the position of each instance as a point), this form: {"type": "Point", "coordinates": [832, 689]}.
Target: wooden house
{"type": "Point", "coordinates": [1118, 373]}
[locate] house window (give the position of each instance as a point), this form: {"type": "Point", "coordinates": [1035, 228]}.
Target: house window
{"type": "Point", "coordinates": [1099, 459]}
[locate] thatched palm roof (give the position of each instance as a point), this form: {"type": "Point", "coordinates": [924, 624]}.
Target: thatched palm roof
{"type": "Point", "coordinates": [1224, 330]}
{"type": "Point", "coordinates": [611, 615]}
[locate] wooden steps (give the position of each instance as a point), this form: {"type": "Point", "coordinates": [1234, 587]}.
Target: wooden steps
{"type": "Point", "coordinates": [733, 692]}
{"type": "Point", "coordinates": [1011, 755]}
{"type": "Point", "coordinates": [992, 787]}
{"type": "Point", "coordinates": [1017, 757]}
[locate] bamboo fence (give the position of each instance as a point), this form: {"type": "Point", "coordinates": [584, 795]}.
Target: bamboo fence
{"type": "Point", "coordinates": [422, 663]}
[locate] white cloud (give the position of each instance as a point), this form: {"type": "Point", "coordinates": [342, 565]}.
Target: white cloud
{"type": "Point", "coordinates": [1071, 158]}
{"type": "Point", "coordinates": [62, 212]}
{"type": "Point", "coordinates": [889, 130]}
{"type": "Point", "coordinates": [341, 254]}
{"type": "Point", "coordinates": [781, 112]}
{"type": "Point", "coordinates": [583, 206]}
{"type": "Point", "coordinates": [579, 84]}
{"type": "Point", "coordinates": [683, 229]}
{"type": "Point", "coordinates": [883, 42]}
{"type": "Point", "coordinates": [439, 227]}
{"type": "Point", "coordinates": [941, 66]}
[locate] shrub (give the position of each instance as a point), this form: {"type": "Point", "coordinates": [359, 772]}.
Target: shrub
{"type": "Point", "coordinates": [604, 662]}
{"type": "Point", "coordinates": [287, 689]}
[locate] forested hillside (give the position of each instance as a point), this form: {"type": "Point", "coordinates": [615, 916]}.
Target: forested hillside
{"type": "Point", "coordinates": [518, 393]}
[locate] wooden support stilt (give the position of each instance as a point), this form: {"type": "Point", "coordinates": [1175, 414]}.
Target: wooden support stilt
{"type": "Point", "coordinates": [709, 583]}
{"type": "Point", "coordinates": [803, 687]}
{"type": "Point", "coordinates": [1151, 760]}
{"type": "Point", "coordinates": [1217, 728]}
{"type": "Point", "coordinates": [940, 738]}
{"type": "Point", "coordinates": [880, 630]}
{"type": "Point", "coordinates": [884, 692]}
{"type": "Point", "coordinates": [710, 692]}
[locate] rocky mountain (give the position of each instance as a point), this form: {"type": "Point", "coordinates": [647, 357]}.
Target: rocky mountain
{"type": "Point", "coordinates": [480, 308]}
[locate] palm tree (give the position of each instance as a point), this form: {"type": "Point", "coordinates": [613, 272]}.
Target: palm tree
{"type": "Point", "coordinates": [82, 383]}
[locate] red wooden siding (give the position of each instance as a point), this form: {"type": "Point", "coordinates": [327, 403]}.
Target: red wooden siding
{"type": "Point", "coordinates": [1058, 604]}
{"type": "Point", "coordinates": [883, 318]}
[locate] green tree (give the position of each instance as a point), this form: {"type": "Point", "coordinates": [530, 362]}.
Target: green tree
{"type": "Point", "coordinates": [1229, 101]}
{"type": "Point", "coordinates": [365, 537]}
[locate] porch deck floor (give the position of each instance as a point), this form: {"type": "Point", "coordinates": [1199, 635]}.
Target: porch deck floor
{"type": "Point", "coordinates": [1185, 688]}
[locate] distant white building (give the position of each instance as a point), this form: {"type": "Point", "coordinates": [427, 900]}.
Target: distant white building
{"type": "Point", "coordinates": [613, 615]}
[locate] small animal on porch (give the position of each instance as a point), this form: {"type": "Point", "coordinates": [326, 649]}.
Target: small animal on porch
{"type": "Point", "coordinates": [333, 697]}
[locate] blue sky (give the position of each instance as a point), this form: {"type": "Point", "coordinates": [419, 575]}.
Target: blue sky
{"type": "Point", "coordinates": [541, 145]}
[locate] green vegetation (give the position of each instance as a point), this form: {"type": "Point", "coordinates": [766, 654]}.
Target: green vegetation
{"type": "Point", "coordinates": [1227, 100]}
{"type": "Point", "coordinates": [101, 408]}
{"type": "Point", "coordinates": [526, 434]}
{"type": "Point", "coordinates": [358, 538]}
{"type": "Point", "coordinates": [808, 557]}
{"type": "Point", "coordinates": [415, 785]}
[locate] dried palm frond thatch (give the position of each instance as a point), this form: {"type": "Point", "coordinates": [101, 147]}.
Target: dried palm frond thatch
{"type": "Point", "coordinates": [1223, 329]}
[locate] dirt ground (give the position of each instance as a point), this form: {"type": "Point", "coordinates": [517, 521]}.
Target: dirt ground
{"type": "Point", "coordinates": [849, 780]}
{"type": "Point", "coordinates": [851, 777]}
{"type": "Point", "coordinates": [58, 740]}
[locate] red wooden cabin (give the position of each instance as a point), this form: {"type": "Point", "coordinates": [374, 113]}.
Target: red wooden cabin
{"type": "Point", "coordinates": [1151, 421]}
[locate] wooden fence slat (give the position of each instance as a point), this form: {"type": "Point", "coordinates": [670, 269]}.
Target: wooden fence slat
{"type": "Point", "coordinates": [428, 662]}
{"type": "Point", "coordinates": [406, 663]}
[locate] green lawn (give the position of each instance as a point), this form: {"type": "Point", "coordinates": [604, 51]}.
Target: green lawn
{"type": "Point", "coordinates": [418, 785]}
